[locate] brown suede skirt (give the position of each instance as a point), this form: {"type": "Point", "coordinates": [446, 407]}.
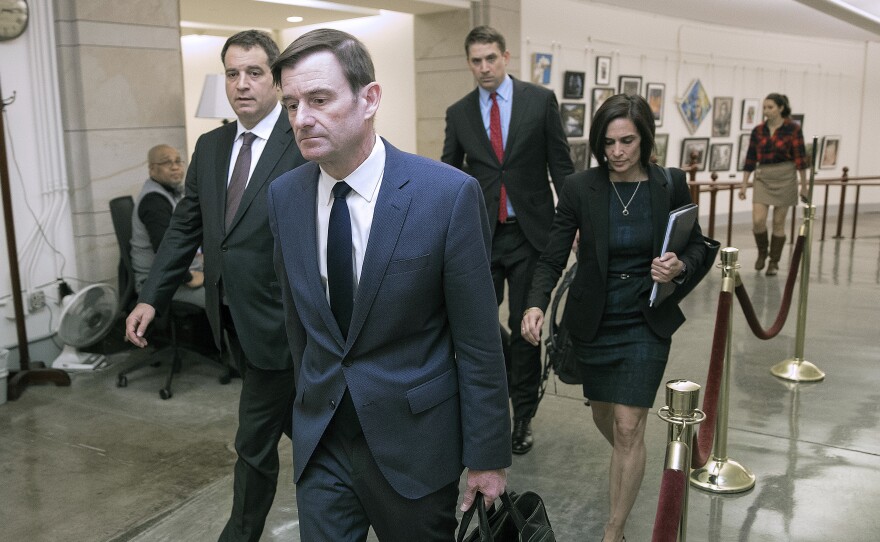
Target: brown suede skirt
{"type": "Point", "coordinates": [776, 184]}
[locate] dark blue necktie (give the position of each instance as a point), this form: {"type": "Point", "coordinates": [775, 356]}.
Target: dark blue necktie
{"type": "Point", "coordinates": [340, 271]}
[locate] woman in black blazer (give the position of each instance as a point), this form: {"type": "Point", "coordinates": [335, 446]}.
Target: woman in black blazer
{"type": "Point", "coordinates": [619, 210]}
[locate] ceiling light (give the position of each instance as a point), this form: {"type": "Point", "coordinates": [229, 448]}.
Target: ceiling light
{"type": "Point", "coordinates": [294, 19]}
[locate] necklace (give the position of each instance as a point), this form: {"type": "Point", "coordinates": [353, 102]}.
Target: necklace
{"type": "Point", "coordinates": [625, 205]}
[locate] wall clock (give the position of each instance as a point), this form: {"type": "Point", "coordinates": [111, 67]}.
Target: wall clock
{"type": "Point", "coordinates": [13, 18]}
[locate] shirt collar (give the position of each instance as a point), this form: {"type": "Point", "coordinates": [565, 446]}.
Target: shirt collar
{"type": "Point", "coordinates": [364, 180]}
{"type": "Point", "coordinates": [264, 128]}
{"type": "Point", "coordinates": [504, 91]}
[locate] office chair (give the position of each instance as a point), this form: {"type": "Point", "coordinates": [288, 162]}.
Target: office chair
{"type": "Point", "coordinates": [164, 329]}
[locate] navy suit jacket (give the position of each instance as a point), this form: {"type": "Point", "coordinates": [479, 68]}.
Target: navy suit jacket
{"type": "Point", "coordinates": [536, 143]}
{"type": "Point", "coordinates": [240, 257]}
{"type": "Point", "coordinates": [583, 206]}
{"type": "Point", "coordinates": [423, 360]}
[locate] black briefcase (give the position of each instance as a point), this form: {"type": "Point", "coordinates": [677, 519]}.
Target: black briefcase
{"type": "Point", "coordinates": [521, 518]}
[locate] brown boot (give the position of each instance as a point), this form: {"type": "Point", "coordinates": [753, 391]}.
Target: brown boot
{"type": "Point", "coordinates": [776, 246]}
{"type": "Point", "coordinates": [761, 240]}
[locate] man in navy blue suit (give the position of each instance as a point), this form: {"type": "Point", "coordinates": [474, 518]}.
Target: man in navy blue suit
{"type": "Point", "coordinates": [399, 370]}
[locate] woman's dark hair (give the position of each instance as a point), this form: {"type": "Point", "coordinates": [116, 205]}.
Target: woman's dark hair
{"type": "Point", "coordinates": [627, 106]}
{"type": "Point", "coordinates": [780, 100]}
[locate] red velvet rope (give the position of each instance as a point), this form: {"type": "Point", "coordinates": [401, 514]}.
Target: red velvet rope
{"type": "Point", "coordinates": [702, 445]}
{"type": "Point", "coordinates": [669, 507]}
{"type": "Point", "coordinates": [749, 311]}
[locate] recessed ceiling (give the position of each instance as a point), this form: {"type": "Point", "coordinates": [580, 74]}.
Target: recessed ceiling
{"type": "Point", "coordinates": [831, 19]}
{"type": "Point", "coordinates": [229, 16]}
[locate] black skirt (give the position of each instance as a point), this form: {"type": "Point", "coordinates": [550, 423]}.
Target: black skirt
{"type": "Point", "coordinates": [623, 364]}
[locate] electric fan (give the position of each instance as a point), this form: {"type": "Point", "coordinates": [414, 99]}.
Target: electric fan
{"type": "Point", "coordinates": [85, 318]}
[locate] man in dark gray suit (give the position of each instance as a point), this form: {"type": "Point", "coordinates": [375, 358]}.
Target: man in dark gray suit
{"type": "Point", "coordinates": [224, 212]}
{"type": "Point", "coordinates": [507, 134]}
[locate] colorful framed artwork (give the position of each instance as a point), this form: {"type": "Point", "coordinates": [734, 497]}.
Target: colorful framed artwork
{"type": "Point", "coordinates": [655, 94]}
{"type": "Point", "coordinates": [661, 145]}
{"type": "Point", "coordinates": [830, 151]}
{"type": "Point", "coordinates": [573, 85]}
{"type": "Point", "coordinates": [694, 150]}
{"type": "Point", "coordinates": [600, 94]}
{"type": "Point", "coordinates": [542, 63]}
{"type": "Point", "coordinates": [630, 84]}
{"type": "Point", "coordinates": [719, 156]}
{"type": "Point", "coordinates": [580, 155]}
{"type": "Point", "coordinates": [751, 114]}
{"type": "Point", "coordinates": [603, 70]}
{"type": "Point", "coordinates": [743, 151]}
{"type": "Point", "coordinates": [722, 111]}
{"type": "Point", "coordinates": [695, 106]}
{"type": "Point", "coordinates": [573, 116]}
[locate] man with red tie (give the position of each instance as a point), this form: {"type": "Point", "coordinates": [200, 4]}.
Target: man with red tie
{"type": "Point", "coordinates": [507, 134]}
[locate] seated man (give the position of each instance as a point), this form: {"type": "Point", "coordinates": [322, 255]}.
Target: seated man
{"type": "Point", "coordinates": [152, 214]}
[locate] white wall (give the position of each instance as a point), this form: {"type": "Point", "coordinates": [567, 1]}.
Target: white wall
{"type": "Point", "coordinates": [830, 82]}
{"type": "Point", "coordinates": [38, 177]}
{"type": "Point", "coordinates": [201, 56]}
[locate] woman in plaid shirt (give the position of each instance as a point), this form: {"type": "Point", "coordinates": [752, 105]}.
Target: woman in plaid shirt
{"type": "Point", "coordinates": [776, 154]}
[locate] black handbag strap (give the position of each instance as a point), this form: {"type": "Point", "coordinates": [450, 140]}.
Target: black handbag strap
{"type": "Point", "coordinates": [518, 519]}
{"type": "Point", "coordinates": [485, 535]}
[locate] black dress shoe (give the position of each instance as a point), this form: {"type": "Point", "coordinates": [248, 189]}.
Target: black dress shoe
{"type": "Point", "coordinates": [521, 441]}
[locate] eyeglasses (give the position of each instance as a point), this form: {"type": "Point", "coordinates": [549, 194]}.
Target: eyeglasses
{"type": "Point", "coordinates": [169, 163]}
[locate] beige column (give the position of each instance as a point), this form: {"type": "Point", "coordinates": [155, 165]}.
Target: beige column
{"type": "Point", "coordinates": [442, 76]}
{"type": "Point", "coordinates": [121, 85]}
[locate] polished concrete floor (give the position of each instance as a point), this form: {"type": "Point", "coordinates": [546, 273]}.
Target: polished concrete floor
{"type": "Point", "coordinates": [94, 462]}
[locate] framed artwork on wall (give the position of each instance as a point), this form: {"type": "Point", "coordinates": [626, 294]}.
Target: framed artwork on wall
{"type": "Point", "coordinates": [573, 115]}
{"type": "Point", "coordinates": [751, 114]}
{"type": "Point", "coordinates": [694, 150]}
{"type": "Point", "coordinates": [600, 94]}
{"type": "Point", "coordinates": [580, 155]}
{"type": "Point", "coordinates": [743, 150]}
{"type": "Point", "coordinates": [695, 106]}
{"type": "Point", "coordinates": [541, 66]}
{"type": "Point", "coordinates": [655, 94]}
{"type": "Point", "coordinates": [722, 111]}
{"type": "Point", "coordinates": [719, 156]}
{"type": "Point", "coordinates": [630, 84]}
{"type": "Point", "coordinates": [573, 85]}
{"type": "Point", "coordinates": [830, 151]}
{"type": "Point", "coordinates": [799, 118]}
{"type": "Point", "coordinates": [661, 144]}
{"type": "Point", "coordinates": [603, 70]}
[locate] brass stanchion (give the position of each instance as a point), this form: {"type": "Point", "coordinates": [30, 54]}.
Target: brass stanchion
{"type": "Point", "coordinates": [721, 474]}
{"type": "Point", "coordinates": [797, 368]}
{"type": "Point", "coordinates": [681, 413]}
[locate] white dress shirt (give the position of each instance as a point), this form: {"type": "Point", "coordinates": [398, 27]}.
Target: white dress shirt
{"type": "Point", "coordinates": [364, 182]}
{"type": "Point", "coordinates": [262, 130]}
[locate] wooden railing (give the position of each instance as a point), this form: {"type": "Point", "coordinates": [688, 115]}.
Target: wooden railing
{"type": "Point", "coordinates": [714, 186]}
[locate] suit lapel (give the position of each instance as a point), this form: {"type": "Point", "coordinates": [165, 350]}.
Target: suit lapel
{"type": "Point", "coordinates": [221, 167]}
{"type": "Point", "coordinates": [302, 234]}
{"type": "Point", "coordinates": [279, 142]}
{"type": "Point", "coordinates": [660, 205]}
{"type": "Point", "coordinates": [475, 118]}
{"type": "Point", "coordinates": [598, 204]}
{"type": "Point", "coordinates": [518, 110]}
{"type": "Point", "coordinates": [388, 218]}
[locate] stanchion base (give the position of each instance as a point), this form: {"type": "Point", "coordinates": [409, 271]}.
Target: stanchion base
{"type": "Point", "coordinates": [797, 370]}
{"type": "Point", "coordinates": [723, 476]}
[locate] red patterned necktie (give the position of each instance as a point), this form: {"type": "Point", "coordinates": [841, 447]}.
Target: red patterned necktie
{"type": "Point", "coordinates": [498, 146]}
